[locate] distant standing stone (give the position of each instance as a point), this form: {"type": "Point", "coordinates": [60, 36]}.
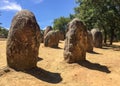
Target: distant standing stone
{"type": "Point", "coordinates": [89, 46]}
{"type": "Point", "coordinates": [47, 29]}
{"type": "Point", "coordinates": [75, 42]}
{"type": "Point", "coordinates": [61, 35]}
{"type": "Point", "coordinates": [23, 41]}
{"type": "Point", "coordinates": [42, 37]}
{"type": "Point", "coordinates": [51, 39]}
{"type": "Point", "coordinates": [97, 38]}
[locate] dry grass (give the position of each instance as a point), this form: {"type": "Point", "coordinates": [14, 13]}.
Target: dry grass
{"type": "Point", "coordinates": [102, 68]}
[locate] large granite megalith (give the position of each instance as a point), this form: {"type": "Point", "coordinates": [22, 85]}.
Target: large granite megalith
{"type": "Point", "coordinates": [23, 41]}
{"type": "Point", "coordinates": [75, 42]}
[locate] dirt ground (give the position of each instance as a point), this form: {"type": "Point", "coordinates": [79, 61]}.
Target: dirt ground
{"type": "Point", "coordinates": [102, 68]}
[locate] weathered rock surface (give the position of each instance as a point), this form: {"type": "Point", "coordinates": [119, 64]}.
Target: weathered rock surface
{"type": "Point", "coordinates": [23, 41]}
{"type": "Point", "coordinates": [61, 35]}
{"type": "Point", "coordinates": [42, 37]}
{"type": "Point", "coordinates": [51, 39]}
{"type": "Point", "coordinates": [48, 28]}
{"type": "Point", "coordinates": [75, 42]}
{"type": "Point", "coordinates": [97, 38]}
{"type": "Point", "coordinates": [89, 46]}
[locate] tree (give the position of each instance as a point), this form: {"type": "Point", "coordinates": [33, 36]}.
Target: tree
{"type": "Point", "coordinates": [60, 23]}
{"type": "Point", "coordinates": [100, 13]}
{"type": "Point", "coordinates": [3, 32]}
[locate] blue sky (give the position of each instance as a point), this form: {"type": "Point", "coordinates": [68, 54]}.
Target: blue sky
{"type": "Point", "coordinates": [45, 11]}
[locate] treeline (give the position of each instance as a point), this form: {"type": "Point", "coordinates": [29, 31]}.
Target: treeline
{"type": "Point", "coordinates": [3, 32]}
{"type": "Point", "coordinates": [102, 14]}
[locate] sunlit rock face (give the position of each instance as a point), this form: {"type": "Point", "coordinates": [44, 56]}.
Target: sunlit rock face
{"type": "Point", "coordinates": [23, 41]}
{"type": "Point", "coordinates": [51, 39]}
{"type": "Point", "coordinates": [89, 47]}
{"type": "Point", "coordinates": [75, 42]}
{"type": "Point", "coordinates": [97, 38]}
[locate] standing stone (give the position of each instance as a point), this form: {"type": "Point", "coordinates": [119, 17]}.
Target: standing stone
{"type": "Point", "coordinates": [75, 42]}
{"type": "Point", "coordinates": [48, 28]}
{"type": "Point", "coordinates": [23, 41]}
{"type": "Point", "coordinates": [97, 38]}
{"type": "Point", "coordinates": [89, 46]}
{"type": "Point", "coordinates": [51, 39]}
{"type": "Point", "coordinates": [42, 36]}
{"type": "Point", "coordinates": [61, 35]}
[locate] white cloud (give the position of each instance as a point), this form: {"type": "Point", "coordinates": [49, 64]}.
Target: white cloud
{"type": "Point", "coordinates": [7, 5]}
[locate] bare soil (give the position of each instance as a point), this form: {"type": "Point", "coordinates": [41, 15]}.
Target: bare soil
{"type": "Point", "coordinates": [102, 68]}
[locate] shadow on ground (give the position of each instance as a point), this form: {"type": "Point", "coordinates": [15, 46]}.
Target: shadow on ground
{"type": "Point", "coordinates": [93, 52]}
{"type": "Point", "coordinates": [56, 47]}
{"type": "Point", "coordinates": [113, 47]}
{"type": "Point", "coordinates": [39, 59]}
{"type": "Point", "coordinates": [94, 66]}
{"type": "Point", "coordinates": [45, 75]}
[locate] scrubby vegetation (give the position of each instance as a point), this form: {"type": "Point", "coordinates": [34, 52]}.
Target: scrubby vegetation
{"type": "Point", "coordinates": [3, 32]}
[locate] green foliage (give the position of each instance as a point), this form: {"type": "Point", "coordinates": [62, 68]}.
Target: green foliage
{"type": "Point", "coordinates": [61, 23]}
{"type": "Point", "coordinates": [3, 32]}
{"type": "Point", "coordinates": [104, 14]}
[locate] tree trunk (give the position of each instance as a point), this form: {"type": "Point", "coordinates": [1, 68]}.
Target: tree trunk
{"type": "Point", "coordinates": [112, 36]}
{"type": "Point", "coordinates": [105, 36]}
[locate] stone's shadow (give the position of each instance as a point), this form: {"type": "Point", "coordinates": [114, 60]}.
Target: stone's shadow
{"type": "Point", "coordinates": [60, 42]}
{"type": "Point", "coordinates": [114, 47]}
{"type": "Point", "coordinates": [105, 48]}
{"type": "Point", "coordinates": [44, 75]}
{"type": "Point", "coordinates": [93, 52]}
{"type": "Point", "coordinates": [39, 59]}
{"type": "Point", "coordinates": [56, 47]}
{"type": "Point", "coordinates": [94, 66]}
